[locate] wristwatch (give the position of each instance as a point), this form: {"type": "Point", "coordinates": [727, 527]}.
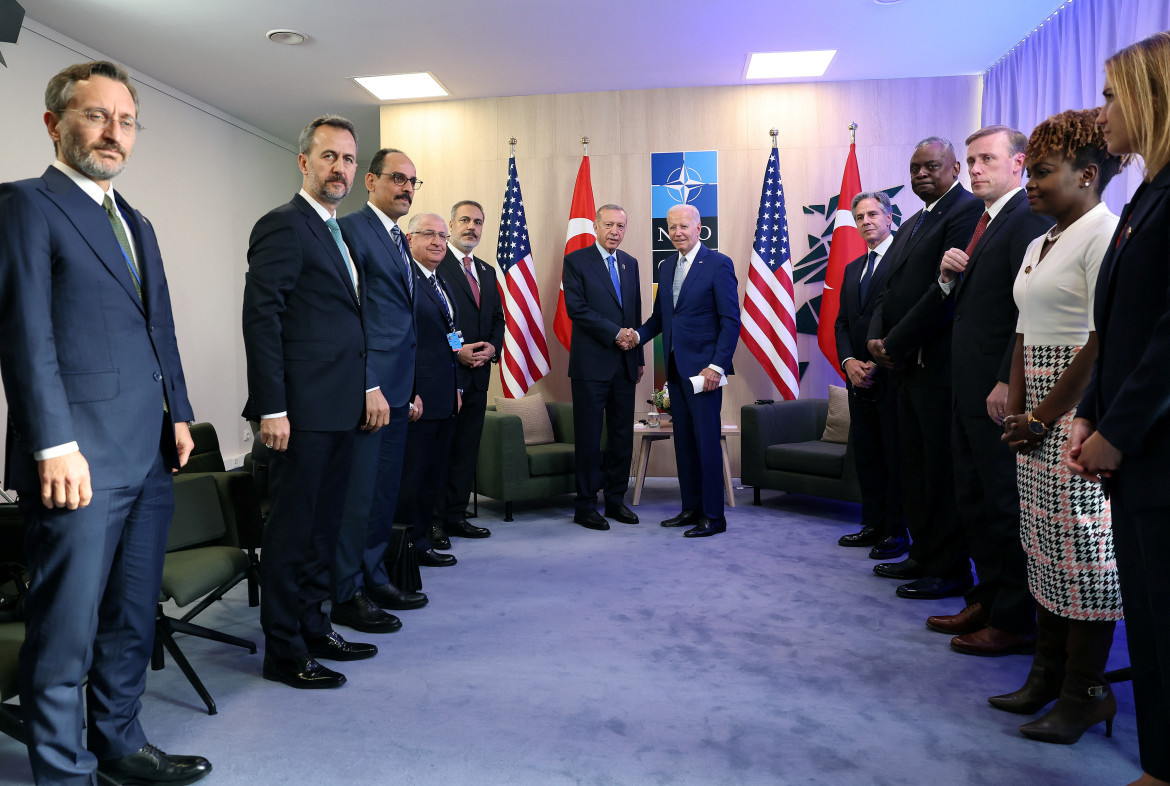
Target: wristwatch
{"type": "Point", "coordinates": [1037, 427]}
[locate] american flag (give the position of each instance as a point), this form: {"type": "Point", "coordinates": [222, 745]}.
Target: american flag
{"type": "Point", "coordinates": [769, 306]}
{"type": "Point", "coordinates": [525, 358]}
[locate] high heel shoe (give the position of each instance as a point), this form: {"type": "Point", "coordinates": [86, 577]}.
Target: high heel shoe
{"type": "Point", "coordinates": [1079, 708]}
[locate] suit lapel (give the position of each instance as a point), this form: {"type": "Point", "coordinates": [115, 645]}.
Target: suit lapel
{"type": "Point", "coordinates": [461, 280]}
{"type": "Point", "coordinates": [1141, 206]}
{"type": "Point", "coordinates": [693, 272]}
{"type": "Point", "coordinates": [321, 232]}
{"type": "Point", "coordinates": [600, 270]}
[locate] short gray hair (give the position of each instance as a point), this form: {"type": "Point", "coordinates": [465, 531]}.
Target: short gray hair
{"type": "Point", "coordinates": [597, 216]}
{"type": "Point", "coordinates": [464, 203]}
{"type": "Point", "coordinates": [878, 196]}
{"type": "Point", "coordinates": [945, 144]}
{"type": "Point", "coordinates": [418, 218]}
{"type": "Point", "coordinates": [305, 142]}
{"type": "Point", "coordinates": [60, 87]}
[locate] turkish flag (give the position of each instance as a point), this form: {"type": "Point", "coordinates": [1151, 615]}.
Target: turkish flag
{"type": "Point", "coordinates": [845, 247]}
{"type": "Point", "coordinates": [579, 235]}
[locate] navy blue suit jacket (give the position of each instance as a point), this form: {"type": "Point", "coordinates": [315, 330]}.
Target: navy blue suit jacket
{"type": "Point", "coordinates": [391, 337]}
{"type": "Point", "coordinates": [477, 323]}
{"type": "Point", "coordinates": [593, 307]}
{"type": "Point", "coordinates": [1129, 395]}
{"type": "Point", "coordinates": [83, 358]}
{"type": "Point", "coordinates": [435, 379]}
{"type": "Point", "coordinates": [854, 315]}
{"type": "Point", "coordinates": [303, 329]}
{"type": "Point", "coordinates": [704, 327]}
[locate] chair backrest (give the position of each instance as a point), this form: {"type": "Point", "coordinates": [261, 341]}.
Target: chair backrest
{"type": "Point", "coordinates": [206, 457]}
{"type": "Point", "coordinates": [198, 518]}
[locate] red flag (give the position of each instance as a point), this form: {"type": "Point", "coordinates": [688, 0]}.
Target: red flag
{"type": "Point", "coordinates": [580, 235]}
{"type": "Point", "coordinates": [845, 247]}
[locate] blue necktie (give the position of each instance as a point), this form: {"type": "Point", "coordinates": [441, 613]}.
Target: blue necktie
{"type": "Point", "coordinates": [918, 223]}
{"type": "Point", "coordinates": [396, 233]}
{"type": "Point", "coordinates": [867, 275]}
{"type": "Point", "coordinates": [613, 276]}
{"type": "Point", "coordinates": [446, 305]}
{"type": "Point", "coordinates": [336, 232]}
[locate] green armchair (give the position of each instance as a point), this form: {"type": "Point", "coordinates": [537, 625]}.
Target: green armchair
{"type": "Point", "coordinates": [510, 471]}
{"type": "Point", "coordinates": [782, 450]}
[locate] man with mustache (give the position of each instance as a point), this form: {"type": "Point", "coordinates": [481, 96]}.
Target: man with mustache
{"type": "Point", "coordinates": [306, 350]}
{"type": "Point", "coordinates": [481, 321]}
{"type": "Point", "coordinates": [98, 416]}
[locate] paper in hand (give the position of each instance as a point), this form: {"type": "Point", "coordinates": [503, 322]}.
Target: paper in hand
{"type": "Point", "coordinates": [699, 380]}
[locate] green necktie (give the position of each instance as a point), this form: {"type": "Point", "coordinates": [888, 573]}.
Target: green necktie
{"type": "Point", "coordinates": [124, 242]}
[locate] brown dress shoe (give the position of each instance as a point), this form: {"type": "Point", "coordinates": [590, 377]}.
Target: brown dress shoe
{"type": "Point", "coordinates": [993, 642]}
{"type": "Point", "coordinates": [970, 619]}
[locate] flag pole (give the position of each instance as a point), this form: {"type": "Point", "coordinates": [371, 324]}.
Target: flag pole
{"type": "Point", "coordinates": [853, 133]}
{"type": "Point", "coordinates": [512, 145]}
{"type": "Point", "coordinates": [775, 132]}
{"type": "Point", "coordinates": [585, 144]}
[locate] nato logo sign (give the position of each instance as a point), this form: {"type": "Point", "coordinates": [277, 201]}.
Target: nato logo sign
{"type": "Point", "coordinates": [684, 179]}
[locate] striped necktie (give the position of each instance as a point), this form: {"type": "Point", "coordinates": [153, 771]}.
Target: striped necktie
{"type": "Point", "coordinates": [399, 241]}
{"type": "Point", "coordinates": [124, 242]}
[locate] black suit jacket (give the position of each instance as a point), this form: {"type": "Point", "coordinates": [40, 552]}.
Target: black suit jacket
{"type": "Point", "coordinates": [435, 378]}
{"type": "Point", "coordinates": [984, 334]}
{"type": "Point", "coordinates": [303, 331]}
{"type": "Point", "coordinates": [854, 315]}
{"type": "Point", "coordinates": [1129, 395]}
{"type": "Point", "coordinates": [484, 322]}
{"type": "Point", "coordinates": [901, 317]}
{"type": "Point", "coordinates": [593, 307]}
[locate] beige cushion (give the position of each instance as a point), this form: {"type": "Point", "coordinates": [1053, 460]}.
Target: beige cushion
{"type": "Point", "coordinates": [837, 423]}
{"type": "Point", "coordinates": [533, 416]}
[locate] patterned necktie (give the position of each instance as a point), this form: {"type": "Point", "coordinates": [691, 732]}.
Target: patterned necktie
{"type": "Point", "coordinates": [617, 282]}
{"type": "Point", "coordinates": [918, 223]}
{"type": "Point", "coordinates": [124, 242]}
{"type": "Point", "coordinates": [335, 231]}
{"type": "Point", "coordinates": [867, 275]}
{"type": "Point", "coordinates": [396, 233]}
{"type": "Point", "coordinates": [467, 261]}
{"type": "Point", "coordinates": [446, 305]}
{"type": "Point", "coordinates": [680, 272]}
{"type": "Point", "coordinates": [984, 220]}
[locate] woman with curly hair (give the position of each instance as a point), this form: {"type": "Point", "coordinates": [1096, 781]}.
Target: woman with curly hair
{"type": "Point", "coordinates": [1064, 519]}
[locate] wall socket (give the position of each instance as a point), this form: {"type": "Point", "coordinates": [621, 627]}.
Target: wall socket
{"type": "Point", "coordinates": [246, 435]}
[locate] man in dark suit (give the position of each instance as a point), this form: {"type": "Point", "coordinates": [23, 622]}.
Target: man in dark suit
{"type": "Point", "coordinates": [481, 321]}
{"type": "Point", "coordinates": [697, 312]}
{"type": "Point", "coordinates": [361, 584]}
{"type": "Point", "coordinates": [911, 337]}
{"type": "Point", "coordinates": [1000, 616]}
{"type": "Point", "coordinates": [602, 295]}
{"type": "Point", "coordinates": [436, 385]}
{"type": "Point", "coordinates": [306, 350]}
{"type": "Point", "coordinates": [873, 394]}
{"type": "Point", "coordinates": [98, 419]}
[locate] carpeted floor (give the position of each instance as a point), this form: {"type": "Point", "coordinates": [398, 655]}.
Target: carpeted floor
{"type": "Point", "coordinates": [552, 654]}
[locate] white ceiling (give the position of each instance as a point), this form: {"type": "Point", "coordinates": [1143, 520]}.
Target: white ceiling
{"type": "Point", "coordinates": [215, 50]}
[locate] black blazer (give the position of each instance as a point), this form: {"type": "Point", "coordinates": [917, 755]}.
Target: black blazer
{"type": "Point", "coordinates": [1129, 395]}
{"type": "Point", "coordinates": [854, 315]}
{"type": "Point", "coordinates": [435, 379]}
{"type": "Point", "coordinates": [593, 307]}
{"type": "Point", "coordinates": [912, 269]}
{"type": "Point", "coordinates": [303, 331]}
{"type": "Point", "coordinates": [484, 322]}
{"type": "Point", "coordinates": [984, 334]}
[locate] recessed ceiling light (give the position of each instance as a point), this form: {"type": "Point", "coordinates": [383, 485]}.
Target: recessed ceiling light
{"type": "Point", "coordinates": [776, 65]}
{"type": "Point", "coordinates": [286, 37]}
{"type": "Point", "coordinates": [395, 87]}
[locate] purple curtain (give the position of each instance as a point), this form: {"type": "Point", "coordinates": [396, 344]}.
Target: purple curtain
{"type": "Point", "coordinates": [1061, 65]}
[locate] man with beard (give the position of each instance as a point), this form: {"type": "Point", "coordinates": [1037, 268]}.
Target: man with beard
{"type": "Point", "coordinates": [306, 350]}
{"type": "Point", "coordinates": [481, 321]}
{"type": "Point", "coordinates": [98, 416]}
{"type": "Point", "coordinates": [361, 583]}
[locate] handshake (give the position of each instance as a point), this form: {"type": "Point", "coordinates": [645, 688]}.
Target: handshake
{"type": "Point", "coordinates": [627, 338]}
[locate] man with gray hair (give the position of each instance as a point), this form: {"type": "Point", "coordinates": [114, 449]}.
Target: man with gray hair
{"type": "Point", "coordinates": [306, 349]}
{"type": "Point", "coordinates": [873, 393]}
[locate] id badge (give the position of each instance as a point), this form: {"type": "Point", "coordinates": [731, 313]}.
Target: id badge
{"type": "Point", "coordinates": [455, 339]}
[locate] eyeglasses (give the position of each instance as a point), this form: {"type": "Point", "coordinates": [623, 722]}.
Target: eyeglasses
{"type": "Point", "coordinates": [400, 179]}
{"type": "Point", "coordinates": [96, 117]}
{"type": "Point", "coordinates": [430, 234]}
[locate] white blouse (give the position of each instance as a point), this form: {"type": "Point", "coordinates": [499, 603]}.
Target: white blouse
{"type": "Point", "coordinates": [1055, 295]}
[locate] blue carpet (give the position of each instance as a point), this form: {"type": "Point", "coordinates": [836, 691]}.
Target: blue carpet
{"type": "Point", "coordinates": [552, 654]}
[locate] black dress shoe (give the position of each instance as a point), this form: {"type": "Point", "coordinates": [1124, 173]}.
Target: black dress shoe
{"type": "Point", "coordinates": [686, 518]}
{"type": "Point", "coordinates": [301, 672]}
{"type": "Point", "coordinates": [439, 539]}
{"type": "Point", "coordinates": [465, 529]}
{"type": "Point", "coordinates": [150, 765]}
{"type": "Point", "coordinates": [903, 571]}
{"type": "Point", "coordinates": [623, 514]}
{"type": "Point", "coordinates": [890, 547]}
{"type": "Point", "coordinates": [433, 559]}
{"type": "Point", "coordinates": [390, 597]}
{"type": "Point", "coordinates": [361, 613]}
{"type": "Point", "coordinates": [933, 588]}
{"type": "Point", "coordinates": [867, 537]}
{"type": "Point", "coordinates": [590, 519]}
{"type": "Point", "coordinates": [333, 647]}
{"type": "Point", "coordinates": [705, 527]}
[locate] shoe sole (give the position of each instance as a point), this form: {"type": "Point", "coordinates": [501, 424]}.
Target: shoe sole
{"type": "Point", "coordinates": [304, 686]}
{"type": "Point", "coordinates": [363, 628]}
{"type": "Point", "coordinates": [1026, 649]}
{"type": "Point", "coordinates": [405, 606]}
{"type": "Point", "coordinates": [954, 631]}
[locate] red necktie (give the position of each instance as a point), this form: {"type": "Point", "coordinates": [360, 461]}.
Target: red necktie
{"type": "Point", "coordinates": [471, 279]}
{"type": "Point", "coordinates": [984, 220]}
